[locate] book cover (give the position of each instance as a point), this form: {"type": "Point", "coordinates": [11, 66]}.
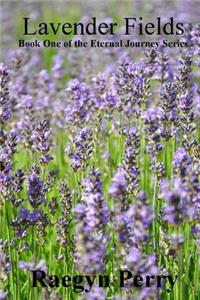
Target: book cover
{"type": "Point", "coordinates": [100, 150]}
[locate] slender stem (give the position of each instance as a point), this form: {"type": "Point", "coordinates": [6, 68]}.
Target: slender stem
{"type": "Point", "coordinates": [155, 222]}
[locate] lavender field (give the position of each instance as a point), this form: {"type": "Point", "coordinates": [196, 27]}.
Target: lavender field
{"type": "Point", "coordinates": [99, 166]}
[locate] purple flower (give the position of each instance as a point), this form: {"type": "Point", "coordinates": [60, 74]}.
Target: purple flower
{"type": "Point", "coordinates": [83, 102]}
{"type": "Point", "coordinates": [92, 215]}
{"type": "Point", "coordinates": [24, 213]}
{"type": "Point", "coordinates": [90, 248]}
{"type": "Point", "coordinates": [80, 148]}
{"type": "Point", "coordinates": [5, 265]}
{"type": "Point", "coordinates": [5, 109]}
{"type": "Point", "coordinates": [180, 156]}
{"type": "Point", "coordinates": [97, 211]}
{"type": "Point", "coordinates": [45, 159]}
{"type": "Point", "coordinates": [177, 206]}
{"type": "Point", "coordinates": [30, 266]}
{"type": "Point", "coordinates": [18, 180]}
{"type": "Point", "coordinates": [130, 165]}
{"type": "Point", "coordinates": [79, 210]}
{"type": "Point", "coordinates": [196, 233]}
{"type": "Point", "coordinates": [58, 66]}
{"type": "Point", "coordinates": [153, 118]}
{"type": "Point", "coordinates": [119, 183]}
{"type": "Point", "coordinates": [36, 190]}
{"type": "Point", "coordinates": [185, 103]}
{"type": "Point", "coordinates": [40, 139]}
{"type": "Point", "coordinates": [34, 216]}
{"type": "Point", "coordinates": [132, 84]}
{"type": "Point", "coordinates": [27, 216]}
{"type": "Point", "coordinates": [100, 82]}
{"type": "Point", "coordinates": [3, 295]}
{"type": "Point", "coordinates": [181, 162]}
{"type": "Point", "coordinates": [27, 266]}
{"type": "Point", "coordinates": [134, 255]}
{"type": "Point", "coordinates": [96, 293]}
{"type": "Point", "coordinates": [63, 222]}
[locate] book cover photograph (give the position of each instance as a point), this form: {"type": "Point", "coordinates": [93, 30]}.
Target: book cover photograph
{"type": "Point", "coordinates": [99, 150]}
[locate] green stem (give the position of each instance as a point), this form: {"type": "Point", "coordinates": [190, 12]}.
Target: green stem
{"type": "Point", "coordinates": [6, 213]}
{"type": "Point", "coordinates": [155, 222]}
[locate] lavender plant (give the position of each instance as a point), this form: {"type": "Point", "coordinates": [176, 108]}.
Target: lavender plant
{"type": "Point", "coordinates": [100, 169]}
